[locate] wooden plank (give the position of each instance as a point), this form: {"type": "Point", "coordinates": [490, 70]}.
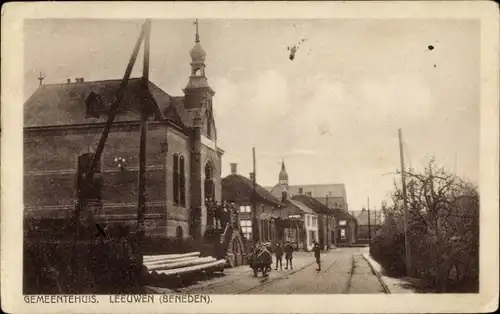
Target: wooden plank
{"type": "Point", "coordinates": [184, 270]}
{"type": "Point", "coordinates": [148, 257]}
{"type": "Point", "coordinates": [175, 260]}
{"type": "Point", "coordinates": [197, 261]}
{"type": "Point", "coordinates": [163, 259]}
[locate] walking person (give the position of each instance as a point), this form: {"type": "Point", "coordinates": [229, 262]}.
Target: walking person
{"type": "Point", "coordinates": [278, 252]}
{"type": "Point", "coordinates": [317, 254]}
{"type": "Point", "coordinates": [288, 254]}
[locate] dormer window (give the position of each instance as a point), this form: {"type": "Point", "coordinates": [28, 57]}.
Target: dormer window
{"type": "Point", "coordinates": [94, 105]}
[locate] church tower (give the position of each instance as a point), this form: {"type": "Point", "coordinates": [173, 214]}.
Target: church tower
{"type": "Point", "coordinates": [198, 94]}
{"type": "Point", "coordinates": [198, 100]}
{"type": "Point", "coordinates": [283, 181]}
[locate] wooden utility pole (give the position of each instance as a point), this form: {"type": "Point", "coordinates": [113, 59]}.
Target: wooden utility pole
{"type": "Point", "coordinates": [141, 201]}
{"type": "Point", "coordinates": [369, 224]}
{"type": "Point", "coordinates": [89, 176]}
{"type": "Point", "coordinates": [405, 207]}
{"type": "Point", "coordinates": [255, 227]}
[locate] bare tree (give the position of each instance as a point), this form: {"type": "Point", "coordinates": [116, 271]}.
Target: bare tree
{"type": "Point", "coordinates": [443, 224]}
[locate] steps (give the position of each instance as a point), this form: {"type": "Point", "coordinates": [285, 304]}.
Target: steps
{"type": "Point", "coordinates": [174, 269]}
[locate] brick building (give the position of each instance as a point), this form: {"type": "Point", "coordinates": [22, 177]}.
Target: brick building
{"type": "Point", "coordinates": [62, 127]}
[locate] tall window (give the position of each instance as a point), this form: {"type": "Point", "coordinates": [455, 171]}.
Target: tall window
{"type": "Point", "coordinates": [301, 191]}
{"type": "Point", "coordinates": [182, 182]}
{"type": "Point", "coordinates": [245, 209]}
{"type": "Point", "coordinates": [246, 228]}
{"type": "Point", "coordinates": [176, 179]}
{"type": "Point", "coordinates": [179, 184]}
{"type": "Point", "coordinates": [209, 182]}
{"type": "Point", "coordinates": [309, 193]}
{"type": "Point", "coordinates": [314, 221]}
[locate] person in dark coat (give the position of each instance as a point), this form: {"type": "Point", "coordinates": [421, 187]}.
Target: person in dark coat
{"type": "Point", "coordinates": [288, 254]}
{"type": "Point", "coordinates": [278, 252]}
{"type": "Point", "coordinates": [317, 254]}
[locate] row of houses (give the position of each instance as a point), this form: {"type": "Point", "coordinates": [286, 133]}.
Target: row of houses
{"type": "Point", "coordinates": [299, 218]}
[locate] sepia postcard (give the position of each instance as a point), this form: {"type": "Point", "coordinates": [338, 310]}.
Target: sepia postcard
{"type": "Point", "coordinates": [250, 157]}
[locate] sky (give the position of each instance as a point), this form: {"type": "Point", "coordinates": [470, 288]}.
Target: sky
{"type": "Point", "coordinates": [332, 114]}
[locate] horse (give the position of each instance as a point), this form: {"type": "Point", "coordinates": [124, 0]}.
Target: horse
{"type": "Point", "coordinates": [261, 261]}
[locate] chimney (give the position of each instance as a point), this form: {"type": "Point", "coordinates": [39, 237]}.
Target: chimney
{"type": "Point", "coordinates": [82, 80]}
{"type": "Point", "coordinates": [69, 81]}
{"type": "Point", "coordinates": [234, 168]}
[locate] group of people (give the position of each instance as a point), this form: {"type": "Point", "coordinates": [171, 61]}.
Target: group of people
{"type": "Point", "coordinates": [220, 212]}
{"type": "Point", "coordinates": [288, 252]}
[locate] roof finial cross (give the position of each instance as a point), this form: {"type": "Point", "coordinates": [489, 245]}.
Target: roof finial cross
{"type": "Point", "coordinates": [197, 38]}
{"type": "Point", "coordinates": [40, 78]}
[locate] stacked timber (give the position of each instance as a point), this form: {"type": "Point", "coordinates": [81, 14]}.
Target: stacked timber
{"type": "Point", "coordinates": [169, 269]}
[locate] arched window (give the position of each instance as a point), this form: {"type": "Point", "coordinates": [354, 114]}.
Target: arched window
{"type": "Point", "coordinates": [179, 233]}
{"type": "Point", "coordinates": [209, 184]}
{"type": "Point", "coordinates": [176, 179]}
{"type": "Point", "coordinates": [182, 182]}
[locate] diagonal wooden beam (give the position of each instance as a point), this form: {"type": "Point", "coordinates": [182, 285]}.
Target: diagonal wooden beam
{"type": "Point", "coordinates": [115, 106]}
{"type": "Point", "coordinates": [111, 116]}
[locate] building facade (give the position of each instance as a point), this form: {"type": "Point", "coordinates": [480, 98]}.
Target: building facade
{"type": "Point", "coordinates": [239, 190]}
{"type": "Point", "coordinates": [337, 226]}
{"type": "Point", "coordinates": [326, 220]}
{"type": "Point", "coordinates": [298, 224]}
{"type": "Point", "coordinates": [367, 226]}
{"type": "Point", "coordinates": [63, 124]}
{"type": "Point", "coordinates": [346, 229]}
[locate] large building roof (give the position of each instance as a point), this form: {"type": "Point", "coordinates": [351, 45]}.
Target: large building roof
{"type": "Point", "coordinates": [65, 104]}
{"type": "Point", "coordinates": [294, 207]}
{"type": "Point", "coordinates": [320, 208]}
{"type": "Point", "coordinates": [236, 187]}
{"type": "Point", "coordinates": [313, 204]}
{"type": "Point", "coordinates": [316, 190]}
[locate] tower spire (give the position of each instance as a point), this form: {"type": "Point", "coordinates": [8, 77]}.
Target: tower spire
{"type": "Point", "coordinates": [197, 37]}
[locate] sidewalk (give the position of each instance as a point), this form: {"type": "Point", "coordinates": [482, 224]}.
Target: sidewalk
{"type": "Point", "coordinates": [393, 285]}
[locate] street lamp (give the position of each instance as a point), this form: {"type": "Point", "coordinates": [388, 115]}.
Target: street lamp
{"type": "Point", "coordinates": [120, 162]}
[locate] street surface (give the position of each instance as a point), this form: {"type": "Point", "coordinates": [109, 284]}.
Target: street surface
{"type": "Point", "coordinates": [344, 270]}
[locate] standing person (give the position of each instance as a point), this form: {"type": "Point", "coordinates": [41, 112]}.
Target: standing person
{"type": "Point", "coordinates": [289, 254]}
{"type": "Point", "coordinates": [278, 252]}
{"type": "Point", "coordinates": [317, 254]}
